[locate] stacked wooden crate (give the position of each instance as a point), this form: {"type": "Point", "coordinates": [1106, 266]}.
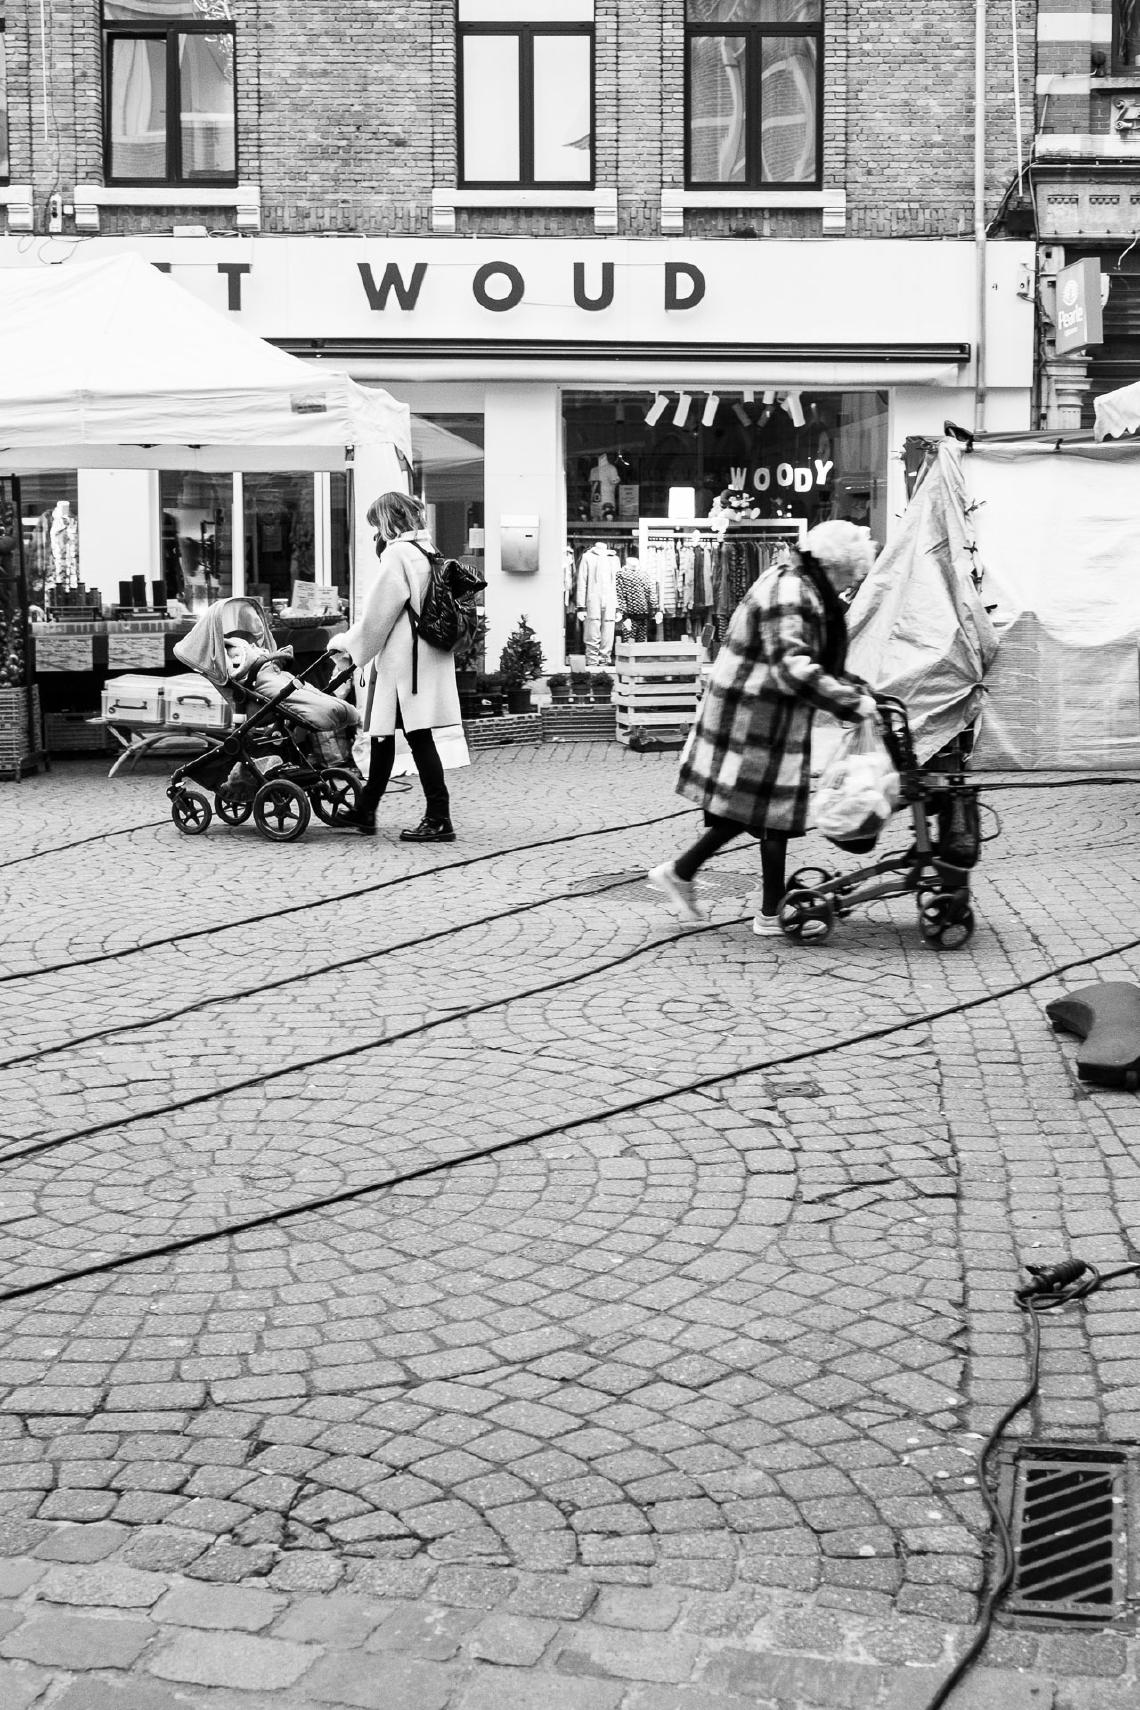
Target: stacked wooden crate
{"type": "Point", "coordinates": [657, 686]}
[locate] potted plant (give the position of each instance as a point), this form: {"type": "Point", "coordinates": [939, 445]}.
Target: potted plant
{"type": "Point", "coordinates": [580, 686]}
{"type": "Point", "coordinates": [602, 684]}
{"type": "Point", "coordinates": [520, 662]}
{"type": "Point", "coordinates": [559, 686]}
{"type": "Point", "coordinates": [469, 659]}
{"type": "Point", "coordinates": [489, 694]}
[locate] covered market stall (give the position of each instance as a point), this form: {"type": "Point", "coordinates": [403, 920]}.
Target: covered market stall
{"type": "Point", "coordinates": [1009, 594]}
{"type": "Point", "coordinates": [110, 369]}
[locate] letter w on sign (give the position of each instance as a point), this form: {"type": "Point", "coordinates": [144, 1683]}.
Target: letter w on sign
{"type": "Point", "coordinates": [737, 477]}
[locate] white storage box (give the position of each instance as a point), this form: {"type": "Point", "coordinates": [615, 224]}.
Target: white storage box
{"type": "Point", "coordinates": [194, 704]}
{"type": "Point", "coordinates": [134, 700]}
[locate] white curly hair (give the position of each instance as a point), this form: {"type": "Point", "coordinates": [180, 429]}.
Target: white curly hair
{"type": "Point", "coordinates": [842, 547]}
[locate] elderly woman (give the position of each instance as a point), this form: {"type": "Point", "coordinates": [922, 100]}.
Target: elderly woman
{"type": "Point", "coordinates": [415, 700]}
{"type": "Point", "coordinates": [747, 761]}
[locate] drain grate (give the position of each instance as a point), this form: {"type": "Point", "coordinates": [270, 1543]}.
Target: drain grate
{"type": "Point", "coordinates": [1069, 1534]}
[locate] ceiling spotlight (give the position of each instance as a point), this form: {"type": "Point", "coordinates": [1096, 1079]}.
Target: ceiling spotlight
{"type": "Point", "coordinates": [656, 410]}
{"type": "Point", "coordinates": [769, 397]}
{"type": "Point", "coordinates": [742, 415]}
{"type": "Point", "coordinates": [708, 415]}
{"type": "Point", "coordinates": [682, 414]}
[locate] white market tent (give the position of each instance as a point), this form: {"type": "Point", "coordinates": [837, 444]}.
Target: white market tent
{"type": "Point", "coordinates": [111, 364]}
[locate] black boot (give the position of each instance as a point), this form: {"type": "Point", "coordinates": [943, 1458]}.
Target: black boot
{"type": "Point", "coordinates": [430, 831]}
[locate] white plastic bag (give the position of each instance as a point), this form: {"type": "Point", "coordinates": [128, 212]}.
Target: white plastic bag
{"type": "Point", "coordinates": [858, 788]}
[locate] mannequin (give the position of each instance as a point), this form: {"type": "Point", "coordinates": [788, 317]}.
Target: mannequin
{"type": "Point", "coordinates": [65, 545]}
{"type": "Point", "coordinates": [597, 600]}
{"type": "Point", "coordinates": [604, 482]}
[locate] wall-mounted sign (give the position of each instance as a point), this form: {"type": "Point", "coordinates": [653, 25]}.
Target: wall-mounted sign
{"type": "Point", "coordinates": [789, 477]}
{"type": "Point", "coordinates": [1079, 319]}
{"type": "Point", "coordinates": [64, 653]}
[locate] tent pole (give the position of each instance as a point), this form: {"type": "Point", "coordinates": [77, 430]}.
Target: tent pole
{"type": "Point", "coordinates": [980, 212]}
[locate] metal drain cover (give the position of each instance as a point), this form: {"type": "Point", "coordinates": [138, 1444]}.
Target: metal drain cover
{"type": "Point", "coordinates": [1069, 1534]}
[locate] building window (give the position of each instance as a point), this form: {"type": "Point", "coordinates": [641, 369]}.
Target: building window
{"type": "Point", "coordinates": [168, 82]}
{"type": "Point", "coordinates": [1125, 35]}
{"type": "Point", "coordinates": [526, 95]}
{"type": "Point", "coordinates": [753, 93]}
{"type": "Point", "coordinates": [3, 107]}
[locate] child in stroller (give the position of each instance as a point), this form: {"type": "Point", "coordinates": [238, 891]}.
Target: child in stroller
{"type": "Point", "coordinates": [291, 753]}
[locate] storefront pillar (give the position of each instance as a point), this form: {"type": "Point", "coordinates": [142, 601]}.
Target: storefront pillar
{"type": "Point", "coordinates": [523, 477]}
{"type": "Point", "coordinates": [1067, 382]}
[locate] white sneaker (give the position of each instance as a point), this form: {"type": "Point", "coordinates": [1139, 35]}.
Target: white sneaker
{"type": "Point", "coordinates": [681, 894]}
{"type": "Point", "coordinates": [767, 926]}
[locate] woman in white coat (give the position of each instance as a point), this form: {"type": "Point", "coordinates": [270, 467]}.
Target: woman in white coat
{"type": "Point", "coordinates": [382, 637]}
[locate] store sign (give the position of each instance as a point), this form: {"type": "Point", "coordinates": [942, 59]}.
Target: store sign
{"type": "Point", "coordinates": [1079, 319]}
{"type": "Point", "coordinates": [806, 477]}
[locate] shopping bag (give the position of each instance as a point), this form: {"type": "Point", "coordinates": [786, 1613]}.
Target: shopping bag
{"type": "Point", "coordinates": [858, 789]}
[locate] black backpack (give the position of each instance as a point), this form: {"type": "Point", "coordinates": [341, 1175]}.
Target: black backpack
{"type": "Point", "coordinates": [448, 617]}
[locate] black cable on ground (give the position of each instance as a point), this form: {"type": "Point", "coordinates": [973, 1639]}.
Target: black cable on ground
{"type": "Point", "coordinates": [626, 1108]}
{"type": "Point", "coordinates": [1056, 1285]}
{"type": "Point", "coordinates": [337, 897]}
{"type": "Point", "coordinates": [96, 837]}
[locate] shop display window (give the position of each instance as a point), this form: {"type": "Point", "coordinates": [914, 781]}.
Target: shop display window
{"type": "Point", "coordinates": [526, 95]}
{"type": "Point", "coordinates": [280, 535]}
{"type": "Point", "coordinates": [447, 462]}
{"type": "Point", "coordinates": [49, 506]}
{"type": "Point", "coordinates": [805, 454]}
{"type": "Point", "coordinates": [170, 112]}
{"type": "Point", "coordinates": [753, 92]}
{"type": "Point", "coordinates": [197, 537]}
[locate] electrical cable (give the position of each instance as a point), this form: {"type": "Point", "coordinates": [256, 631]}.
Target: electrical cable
{"type": "Point", "coordinates": [627, 1107]}
{"type": "Point", "coordinates": [335, 897]}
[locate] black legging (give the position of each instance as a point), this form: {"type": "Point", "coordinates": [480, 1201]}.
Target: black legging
{"type": "Point", "coordinates": [428, 765]}
{"type": "Point", "coordinates": [773, 856]}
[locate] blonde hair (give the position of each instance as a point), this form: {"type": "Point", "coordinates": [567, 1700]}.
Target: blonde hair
{"type": "Point", "coordinates": [396, 513]}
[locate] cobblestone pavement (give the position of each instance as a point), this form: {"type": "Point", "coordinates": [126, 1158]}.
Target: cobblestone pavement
{"type": "Point", "coordinates": [655, 1379]}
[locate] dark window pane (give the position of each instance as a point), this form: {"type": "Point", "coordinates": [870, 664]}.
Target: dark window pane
{"type": "Point", "coordinates": [788, 110]}
{"type": "Point", "coordinates": [206, 84]}
{"type": "Point", "coordinates": [717, 126]}
{"type": "Point", "coordinates": [138, 108]}
{"type": "Point", "coordinates": [753, 11]}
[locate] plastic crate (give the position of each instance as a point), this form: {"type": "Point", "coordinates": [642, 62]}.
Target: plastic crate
{"type": "Point", "coordinates": [596, 723]}
{"type": "Point", "coordinates": [21, 748]}
{"type": "Point", "coordinates": [499, 732]}
{"type": "Point", "coordinates": [73, 733]}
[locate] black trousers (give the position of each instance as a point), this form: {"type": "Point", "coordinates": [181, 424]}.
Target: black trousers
{"type": "Point", "coordinates": [427, 762]}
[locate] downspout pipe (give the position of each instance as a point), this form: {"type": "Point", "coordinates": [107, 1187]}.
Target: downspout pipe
{"type": "Point", "coordinates": [980, 214]}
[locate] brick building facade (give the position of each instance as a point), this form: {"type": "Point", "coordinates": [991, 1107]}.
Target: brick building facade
{"type": "Point", "coordinates": [841, 309]}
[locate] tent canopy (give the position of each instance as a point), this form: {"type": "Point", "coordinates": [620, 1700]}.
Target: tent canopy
{"type": "Point", "coordinates": [110, 363]}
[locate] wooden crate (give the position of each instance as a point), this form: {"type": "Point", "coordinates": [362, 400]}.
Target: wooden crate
{"type": "Point", "coordinates": [583, 723]}
{"type": "Point", "coordinates": [21, 747]}
{"type": "Point", "coordinates": [500, 732]}
{"type": "Point", "coordinates": [656, 690]}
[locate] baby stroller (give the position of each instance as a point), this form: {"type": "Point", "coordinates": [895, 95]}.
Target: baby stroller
{"type": "Point", "coordinates": [269, 765]}
{"type": "Point", "coordinates": [935, 869]}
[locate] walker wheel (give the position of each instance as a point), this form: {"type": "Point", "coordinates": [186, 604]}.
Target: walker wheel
{"type": "Point", "coordinates": [1131, 1081]}
{"type": "Point", "coordinates": [947, 920]}
{"type": "Point", "coordinates": [190, 812]}
{"type": "Point", "coordinates": [809, 878]}
{"type": "Point", "coordinates": [233, 812]}
{"type": "Point", "coordinates": [335, 795]}
{"type": "Point", "coordinates": [281, 810]}
{"type": "Point", "coordinates": [806, 916]}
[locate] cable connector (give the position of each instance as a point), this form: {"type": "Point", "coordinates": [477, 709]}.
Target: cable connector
{"type": "Point", "coordinates": [1054, 1283]}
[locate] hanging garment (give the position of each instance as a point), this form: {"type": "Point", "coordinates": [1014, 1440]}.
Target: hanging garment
{"type": "Point", "coordinates": [597, 581]}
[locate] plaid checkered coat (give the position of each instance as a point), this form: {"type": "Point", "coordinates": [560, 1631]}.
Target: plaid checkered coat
{"type": "Point", "coordinates": [748, 756]}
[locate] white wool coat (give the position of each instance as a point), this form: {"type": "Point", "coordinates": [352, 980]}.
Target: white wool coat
{"type": "Point", "coordinates": [383, 634]}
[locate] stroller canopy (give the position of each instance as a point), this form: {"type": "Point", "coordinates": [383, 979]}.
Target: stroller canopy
{"type": "Point", "coordinates": [204, 648]}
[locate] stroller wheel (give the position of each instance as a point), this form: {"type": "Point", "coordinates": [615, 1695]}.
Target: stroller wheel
{"type": "Point", "coordinates": [281, 810]}
{"type": "Point", "coordinates": [190, 812]}
{"type": "Point", "coordinates": [806, 917]}
{"type": "Point", "coordinates": [335, 795]}
{"type": "Point", "coordinates": [233, 812]}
